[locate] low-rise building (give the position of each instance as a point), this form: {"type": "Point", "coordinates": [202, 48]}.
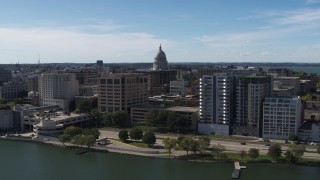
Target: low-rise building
{"type": "Point", "coordinates": [309, 131]}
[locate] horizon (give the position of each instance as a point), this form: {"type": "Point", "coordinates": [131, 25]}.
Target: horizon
{"type": "Point", "coordinates": [124, 31]}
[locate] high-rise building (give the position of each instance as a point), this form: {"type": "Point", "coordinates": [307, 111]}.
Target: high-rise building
{"type": "Point", "coordinates": [122, 91]}
{"type": "Point", "coordinates": [251, 91]}
{"type": "Point", "coordinates": [32, 83]}
{"type": "Point", "coordinates": [281, 116]}
{"type": "Point", "coordinates": [58, 89]}
{"type": "Point", "coordinates": [216, 104]}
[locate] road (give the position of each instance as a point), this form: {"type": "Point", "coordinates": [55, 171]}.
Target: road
{"type": "Point", "coordinates": [230, 145]}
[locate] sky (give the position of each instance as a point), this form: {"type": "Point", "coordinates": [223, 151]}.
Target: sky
{"type": "Point", "coordinates": [115, 31]}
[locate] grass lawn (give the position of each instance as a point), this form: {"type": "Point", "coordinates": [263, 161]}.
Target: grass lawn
{"type": "Point", "coordinates": [133, 143]}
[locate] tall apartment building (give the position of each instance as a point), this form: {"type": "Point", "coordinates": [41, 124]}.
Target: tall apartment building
{"type": "Point", "coordinates": [122, 91]}
{"type": "Point", "coordinates": [251, 91]}
{"type": "Point", "coordinates": [281, 116]}
{"type": "Point", "coordinates": [57, 89]}
{"type": "Point", "coordinates": [216, 104]}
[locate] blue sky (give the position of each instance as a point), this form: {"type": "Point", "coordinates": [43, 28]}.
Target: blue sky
{"type": "Point", "coordinates": [131, 30]}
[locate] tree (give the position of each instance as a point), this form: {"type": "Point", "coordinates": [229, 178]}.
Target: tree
{"type": "Point", "coordinates": [275, 151]}
{"type": "Point", "coordinates": [289, 156]}
{"type": "Point", "coordinates": [186, 144]}
{"type": "Point", "coordinates": [136, 133]}
{"type": "Point", "coordinates": [318, 149]}
{"type": "Point", "coordinates": [120, 118]}
{"type": "Point", "coordinates": [195, 146]}
{"type": "Point", "coordinates": [243, 154]}
{"type": "Point", "coordinates": [179, 140]}
{"type": "Point", "coordinates": [123, 135]}
{"type": "Point", "coordinates": [204, 143]}
{"type": "Point", "coordinates": [297, 151]}
{"type": "Point", "coordinates": [72, 131]}
{"type": "Point", "coordinates": [18, 101]}
{"type": "Point", "coordinates": [217, 149]}
{"type": "Point", "coordinates": [293, 137]}
{"type": "Point", "coordinates": [169, 144]}
{"type": "Point", "coordinates": [93, 131]}
{"type": "Point", "coordinates": [84, 106]}
{"type": "Point", "coordinates": [107, 117]}
{"type": "Point", "coordinates": [64, 138]}
{"type": "Point", "coordinates": [253, 153]}
{"type": "Point", "coordinates": [88, 140]}
{"type": "Point", "coordinates": [78, 140]}
{"type": "Point", "coordinates": [96, 116]}
{"type": "Point", "coordinates": [149, 138]}
{"type": "Point", "coordinates": [307, 97]}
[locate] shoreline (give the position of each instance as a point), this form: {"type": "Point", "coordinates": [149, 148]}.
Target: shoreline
{"type": "Point", "coordinates": [150, 154]}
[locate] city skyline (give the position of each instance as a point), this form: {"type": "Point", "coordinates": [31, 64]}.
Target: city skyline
{"type": "Point", "coordinates": [127, 31]}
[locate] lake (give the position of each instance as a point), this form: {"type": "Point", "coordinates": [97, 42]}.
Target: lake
{"type": "Point", "coordinates": [23, 160]}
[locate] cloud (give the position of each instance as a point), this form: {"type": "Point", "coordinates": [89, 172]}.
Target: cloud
{"type": "Point", "coordinates": [312, 1]}
{"type": "Point", "coordinates": [68, 44]}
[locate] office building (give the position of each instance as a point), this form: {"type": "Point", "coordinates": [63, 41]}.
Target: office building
{"type": "Point", "coordinates": [122, 91]}
{"type": "Point", "coordinates": [281, 117]}
{"type": "Point", "coordinates": [57, 89]}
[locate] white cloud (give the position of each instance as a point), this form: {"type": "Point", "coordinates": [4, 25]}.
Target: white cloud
{"type": "Point", "coordinates": [312, 1]}
{"type": "Point", "coordinates": [68, 44]}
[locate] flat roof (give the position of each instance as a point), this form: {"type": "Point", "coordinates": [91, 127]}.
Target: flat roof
{"type": "Point", "coordinates": [183, 108]}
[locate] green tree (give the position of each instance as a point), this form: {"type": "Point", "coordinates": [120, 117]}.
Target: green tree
{"type": "Point", "coordinates": [289, 156]}
{"type": "Point", "coordinates": [88, 140]}
{"type": "Point", "coordinates": [120, 118]}
{"type": "Point", "coordinates": [243, 154]}
{"type": "Point", "coordinates": [149, 138]}
{"type": "Point", "coordinates": [107, 117]}
{"type": "Point", "coordinates": [253, 153]}
{"type": "Point", "coordinates": [179, 140]}
{"type": "Point", "coordinates": [275, 151]}
{"type": "Point", "coordinates": [78, 140]}
{"type": "Point", "coordinates": [218, 149]}
{"type": "Point", "coordinates": [186, 144]}
{"type": "Point", "coordinates": [195, 146]}
{"type": "Point", "coordinates": [293, 137]}
{"type": "Point", "coordinates": [307, 97]}
{"type": "Point", "coordinates": [96, 117]}
{"type": "Point", "coordinates": [136, 133]}
{"type": "Point", "coordinates": [64, 138]}
{"type": "Point", "coordinates": [318, 149]}
{"type": "Point", "coordinates": [18, 101]}
{"type": "Point", "coordinates": [93, 131]}
{"type": "Point", "coordinates": [84, 106]}
{"type": "Point", "coordinates": [169, 144]}
{"type": "Point", "coordinates": [297, 150]}
{"type": "Point", "coordinates": [123, 135]}
{"type": "Point", "coordinates": [72, 131]}
{"type": "Point", "coordinates": [204, 143]}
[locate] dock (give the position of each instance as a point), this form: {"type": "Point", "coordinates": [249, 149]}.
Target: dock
{"type": "Point", "coordinates": [237, 169]}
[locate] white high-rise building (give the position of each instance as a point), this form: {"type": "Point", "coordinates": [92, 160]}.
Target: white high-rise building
{"type": "Point", "coordinates": [281, 116]}
{"type": "Point", "coordinates": [58, 89]}
{"type": "Point", "coordinates": [216, 109]}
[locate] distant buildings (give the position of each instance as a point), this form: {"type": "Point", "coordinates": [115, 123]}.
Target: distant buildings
{"type": "Point", "coordinates": [160, 75]}
{"type": "Point", "coordinates": [178, 87]}
{"type": "Point", "coordinates": [122, 91]}
{"type": "Point", "coordinates": [281, 117]}
{"type": "Point", "coordinates": [57, 89]}
{"type": "Point", "coordinates": [5, 76]}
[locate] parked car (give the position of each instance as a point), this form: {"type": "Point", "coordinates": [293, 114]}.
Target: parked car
{"type": "Point", "coordinates": [268, 145]}
{"type": "Point", "coordinates": [243, 143]}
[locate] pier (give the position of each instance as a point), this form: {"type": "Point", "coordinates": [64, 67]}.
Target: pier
{"type": "Point", "coordinates": [237, 169]}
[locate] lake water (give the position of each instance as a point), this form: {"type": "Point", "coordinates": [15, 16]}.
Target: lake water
{"type": "Point", "coordinates": [22, 160]}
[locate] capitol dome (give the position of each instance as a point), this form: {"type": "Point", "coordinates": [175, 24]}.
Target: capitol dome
{"type": "Point", "coordinates": [160, 61]}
